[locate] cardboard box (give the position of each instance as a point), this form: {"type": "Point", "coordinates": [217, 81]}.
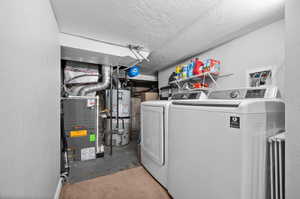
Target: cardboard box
{"type": "Point", "coordinates": [149, 96]}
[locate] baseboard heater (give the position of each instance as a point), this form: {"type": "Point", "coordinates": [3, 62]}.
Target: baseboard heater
{"type": "Point", "coordinates": [276, 166]}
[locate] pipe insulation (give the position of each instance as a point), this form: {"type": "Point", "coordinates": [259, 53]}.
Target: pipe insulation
{"type": "Point", "coordinates": [99, 86]}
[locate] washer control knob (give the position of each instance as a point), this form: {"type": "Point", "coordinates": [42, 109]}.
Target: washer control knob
{"type": "Point", "coordinates": [234, 94]}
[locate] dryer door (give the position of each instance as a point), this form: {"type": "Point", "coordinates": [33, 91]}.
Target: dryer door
{"type": "Point", "coordinates": [152, 134]}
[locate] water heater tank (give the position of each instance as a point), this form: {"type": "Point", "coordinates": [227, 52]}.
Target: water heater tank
{"type": "Point", "coordinates": [124, 102]}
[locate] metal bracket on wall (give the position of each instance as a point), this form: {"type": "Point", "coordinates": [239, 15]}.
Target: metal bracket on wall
{"type": "Point", "coordinates": [136, 51]}
{"type": "Point", "coordinates": [202, 78]}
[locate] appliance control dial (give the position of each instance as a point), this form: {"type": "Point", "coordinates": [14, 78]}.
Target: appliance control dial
{"type": "Point", "coordinates": [234, 94]}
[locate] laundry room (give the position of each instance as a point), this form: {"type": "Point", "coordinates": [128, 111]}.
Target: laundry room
{"type": "Point", "coordinates": [150, 99]}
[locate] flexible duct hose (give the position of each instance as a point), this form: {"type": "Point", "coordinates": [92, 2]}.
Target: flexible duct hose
{"type": "Point", "coordinates": [100, 86]}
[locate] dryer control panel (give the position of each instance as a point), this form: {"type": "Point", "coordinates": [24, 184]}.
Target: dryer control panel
{"type": "Point", "coordinates": [189, 95]}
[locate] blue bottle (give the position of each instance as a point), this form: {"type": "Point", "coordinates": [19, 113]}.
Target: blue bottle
{"type": "Point", "coordinates": [190, 69]}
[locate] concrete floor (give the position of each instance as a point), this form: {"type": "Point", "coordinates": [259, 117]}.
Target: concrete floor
{"type": "Point", "coordinates": [123, 158]}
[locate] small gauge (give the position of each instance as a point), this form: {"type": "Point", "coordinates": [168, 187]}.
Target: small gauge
{"type": "Point", "coordinates": [234, 94]}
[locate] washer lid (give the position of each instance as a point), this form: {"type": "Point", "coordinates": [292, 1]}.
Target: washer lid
{"type": "Point", "coordinates": [244, 106]}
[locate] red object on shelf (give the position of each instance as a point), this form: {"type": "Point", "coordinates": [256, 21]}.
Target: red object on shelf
{"type": "Point", "coordinates": [197, 85]}
{"type": "Point", "coordinates": [205, 85]}
{"type": "Point", "coordinates": [198, 67]}
{"type": "Point", "coordinates": [200, 85]}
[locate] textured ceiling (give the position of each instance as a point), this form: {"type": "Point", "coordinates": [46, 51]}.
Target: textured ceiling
{"type": "Point", "coordinates": [171, 30]}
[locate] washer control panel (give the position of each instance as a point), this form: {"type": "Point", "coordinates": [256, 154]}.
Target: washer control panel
{"type": "Point", "coordinates": [235, 94]}
{"type": "Point", "coordinates": [245, 93]}
{"type": "Point", "coordinates": [255, 93]}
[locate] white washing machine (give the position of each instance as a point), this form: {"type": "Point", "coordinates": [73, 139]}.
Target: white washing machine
{"type": "Point", "coordinates": [217, 148]}
{"type": "Point", "coordinates": [154, 134]}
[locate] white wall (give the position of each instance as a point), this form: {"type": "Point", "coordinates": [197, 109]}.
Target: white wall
{"type": "Point", "coordinates": [29, 110]}
{"type": "Point", "coordinates": [292, 98]}
{"type": "Point", "coordinates": [261, 48]}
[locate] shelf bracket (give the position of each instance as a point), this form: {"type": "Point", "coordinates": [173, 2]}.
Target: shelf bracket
{"type": "Point", "coordinates": [212, 78]}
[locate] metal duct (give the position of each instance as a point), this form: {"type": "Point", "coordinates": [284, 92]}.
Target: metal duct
{"type": "Point", "coordinates": [100, 86]}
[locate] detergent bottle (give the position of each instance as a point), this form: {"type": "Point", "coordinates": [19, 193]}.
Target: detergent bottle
{"type": "Point", "coordinates": [191, 68]}
{"type": "Point", "coordinates": [177, 72]}
{"type": "Point", "coordinates": [184, 71]}
{"type": "Point", "coordinates": [198, 67]}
